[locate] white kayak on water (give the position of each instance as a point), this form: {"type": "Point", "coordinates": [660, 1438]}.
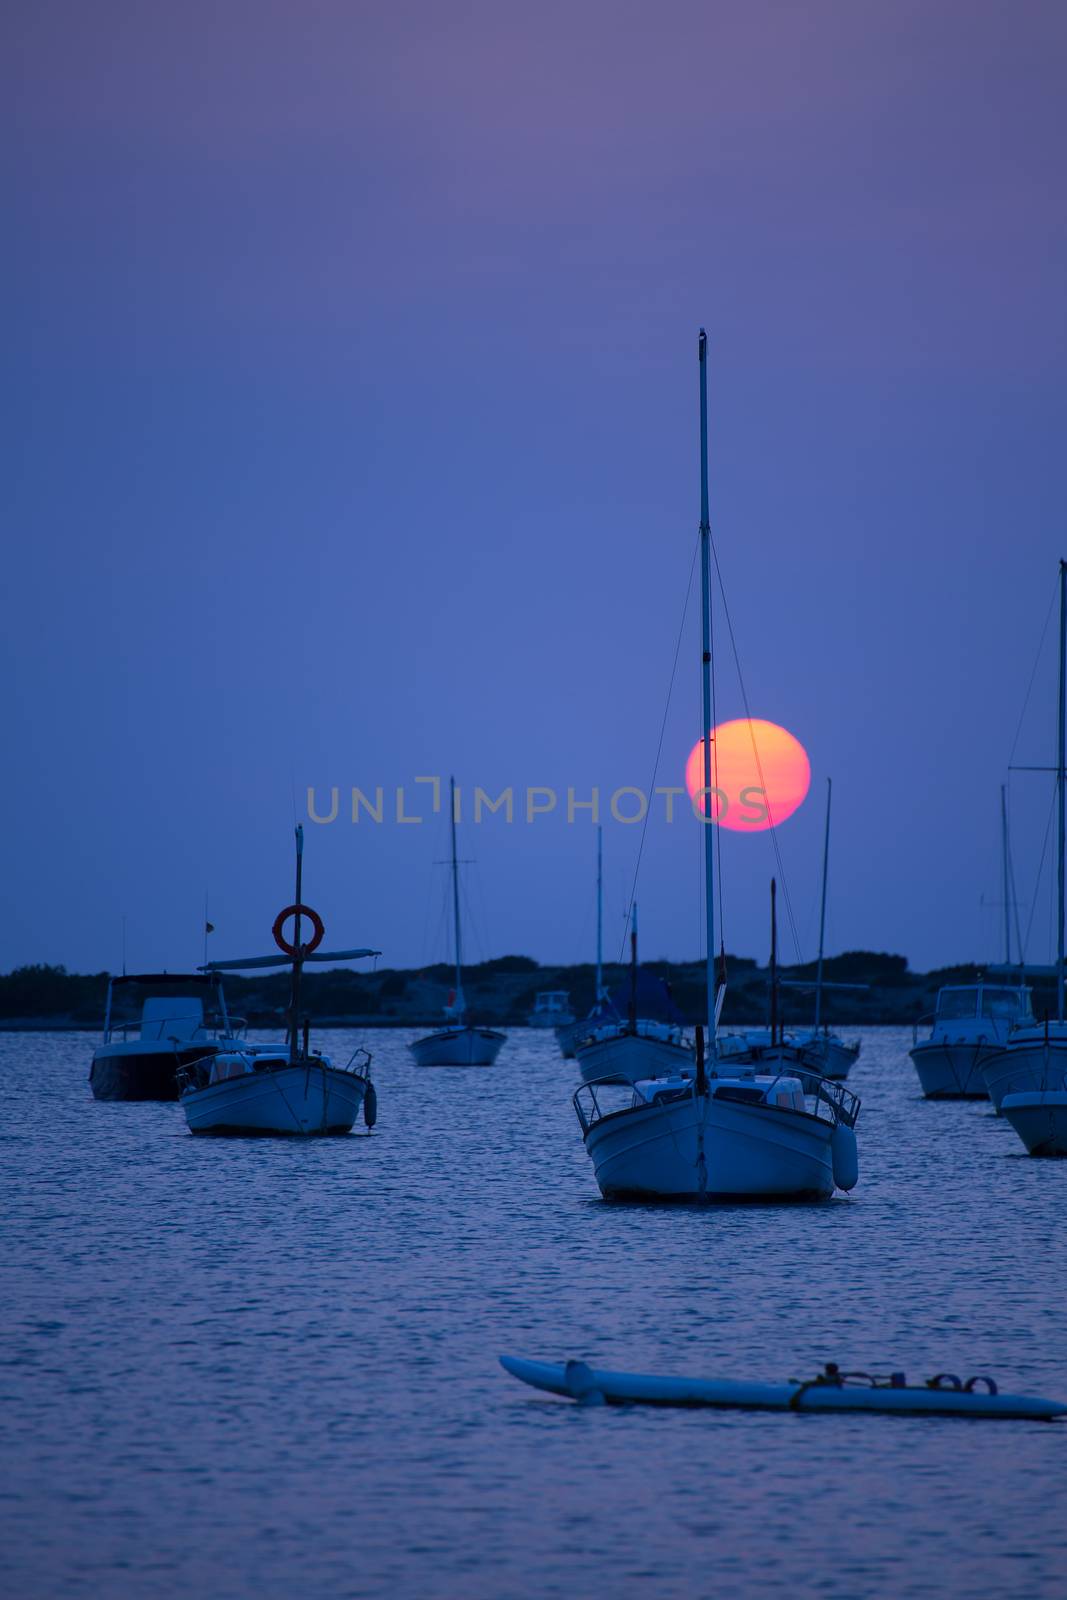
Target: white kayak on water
{"type": "Point", "coordinates": [832, 1390]}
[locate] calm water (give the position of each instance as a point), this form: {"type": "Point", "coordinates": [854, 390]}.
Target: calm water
{"type": "Point", "coordinates": [247, 1367]}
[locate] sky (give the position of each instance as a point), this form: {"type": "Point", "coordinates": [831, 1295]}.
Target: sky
{"type": "Point", "coordinates": [352, 410]}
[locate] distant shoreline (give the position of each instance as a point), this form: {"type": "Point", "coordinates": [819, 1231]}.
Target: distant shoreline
{"type": "Point", "coordinates": [501, 993]}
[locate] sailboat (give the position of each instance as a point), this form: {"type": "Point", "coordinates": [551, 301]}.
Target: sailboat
{"type": "Point", "coordinates": [715, 1133]}
{"type": "Point", "coordinates": [1027, 1075]}
{"type": "Point", "coordinates": [825, 1051]}
{"type": "Point", "coordinates": [458, 1043]}
{"type": "Point", "coordinates": [642, 1046]}
{"type": "Point", "coordinates": [261, 1089]}
{"type": "Point", "coordinates": [569, 1033]}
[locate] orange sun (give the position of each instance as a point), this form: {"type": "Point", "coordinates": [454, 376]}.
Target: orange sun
{"type": "Point", "coordinates": [747, 794]}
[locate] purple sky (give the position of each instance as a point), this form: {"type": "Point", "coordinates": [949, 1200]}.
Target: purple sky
{"type": "Point", "coordinates": [354, 428]}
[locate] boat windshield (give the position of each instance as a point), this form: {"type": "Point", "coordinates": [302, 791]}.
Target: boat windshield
{"type": "Point", "coordinates": [164, 1005]}
{"type": "Point", "coordinates": [1009, 1003]}
{"type": "Point", "coordinates": [954, 1003]}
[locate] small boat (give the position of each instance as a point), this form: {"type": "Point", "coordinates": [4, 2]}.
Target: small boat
{"type": "Point", "coordinates": [552, 1009]}
{"type": "Point", "coordinates": [569, 1035]}
{"type": "Point", "coordinates": [264, 1089]}
{"type": "Point", "coordinates": [832, 1390]}
{"type": "Point", "coordinates": [1032, 1059]}
{"type": "Point", "coordinates": [459, 1043]}
{"type": "Point", "coordinates": [650, 1043]}
{"type": "Point", "coordinates": [155, 1023]}
{"type": "Point", "coordinates": [1039, 1117]}
{"type": "Point", "coordinates": [970, 1019]}
{"type": "Point", "coordinates": [710, 1132]}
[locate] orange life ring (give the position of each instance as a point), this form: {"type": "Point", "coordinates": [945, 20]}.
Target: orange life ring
{"type": "Point", "coordinates": [316, 934]}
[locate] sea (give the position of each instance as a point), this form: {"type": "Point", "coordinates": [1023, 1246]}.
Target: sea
{"type": "Point", "coordinates": [270, 1368]}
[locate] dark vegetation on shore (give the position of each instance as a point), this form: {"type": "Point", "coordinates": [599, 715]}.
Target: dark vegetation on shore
{"type": "Point", "coordinates": [502, 992]}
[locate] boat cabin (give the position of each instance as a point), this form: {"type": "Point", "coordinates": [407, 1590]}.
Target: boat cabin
{"type": "Point", "coordinates": [983, 1001]}
{"type": "Point", "coordinates": [551, 1007]}
{"type": "Point", "coordinates": [159, 1007]}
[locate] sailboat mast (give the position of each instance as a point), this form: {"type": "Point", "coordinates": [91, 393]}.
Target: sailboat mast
{"type": "Point", "coordinates": [1004, 870]}
{"type": "Point", "coordinates": [774, 964]}
{"type": "Point", "coordinates": [633, 969]}
{"type": "Point", "coordinates": [294, 1018]}
{"type": "Point", "coordinates": [1060, 785]}
{"type": "Point", "coordinates": [822, 907]}
{"type": "Point", "coordinates": [599, 912]}
{"type": "Point", "coordinates": [455, 900]}
{"type": "Point", "coordinates": [705, 598]}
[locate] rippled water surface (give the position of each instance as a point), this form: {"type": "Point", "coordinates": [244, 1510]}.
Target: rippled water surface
{"type": "Point", "coordinates": [258, 1367]}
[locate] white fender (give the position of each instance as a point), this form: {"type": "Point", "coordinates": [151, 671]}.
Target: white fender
{"type": "Point", "coordinates": [845, 1155]}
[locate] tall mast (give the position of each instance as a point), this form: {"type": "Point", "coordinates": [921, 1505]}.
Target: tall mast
{"type": "Point", "coordinates": [1004, 868]}
{"type": "Point", "coordinates": [822, 908]}
{"type": "Point", "coordinates": [459, 1006]}
{"type": "Point", "coordinates": [294, 1017]}
{"type": "Point", "coordinates": [599, 912]}
{"type": "Point", "coordinates": [705, 670]}
{"type": "Point", "coordinates": [1060, 781]}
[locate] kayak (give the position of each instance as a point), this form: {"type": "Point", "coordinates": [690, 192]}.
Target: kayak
{"type": "Point", "coordinates": [832, 1390]}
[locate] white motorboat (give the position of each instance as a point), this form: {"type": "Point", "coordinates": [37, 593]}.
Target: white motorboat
{"type": "Point", "coordinates": [265, 1089]}
{"type": "Point", "coordinates": [458, 1043]}
{"type": "Point", "coordinates": [642, 1046]}
{"type": "Point", "coordinates": [714, 1133]}
{"type": "Point", "coordinates": [969, 1021]}
{"type": "Point", "coordinates": [552, 1009]}
{"type": "Point", "coordinates": [156, 1022]}
{"type": "Point", "coordinates": [1039, 1117]}
{"type": "Point", "coordinates": [1032, 1060]}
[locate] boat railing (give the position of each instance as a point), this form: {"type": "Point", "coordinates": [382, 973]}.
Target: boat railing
{"type": "Point", "coordinates": [833, 1101]}
{"type": "Point", "coordinates": [922, 1022]}
{"type": "Point", "coordinates": [213, 1027]}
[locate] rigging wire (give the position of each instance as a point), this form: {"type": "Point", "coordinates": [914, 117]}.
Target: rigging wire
{"type": "Point", "coordinates": [659, 748]}
{"type": "Point", "coordinates": [773, 829]}
{"type": "Point", "coordinates": [1033, 673]}
{"type": "Point", "coordinates": [1025, 943]}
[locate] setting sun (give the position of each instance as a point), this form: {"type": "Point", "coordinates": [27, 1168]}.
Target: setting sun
{"type": "Point", "coordinates": [750, 794]}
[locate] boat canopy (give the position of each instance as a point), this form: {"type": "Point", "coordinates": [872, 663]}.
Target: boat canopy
{"type": "Point", "coordinates": [982, 1000]}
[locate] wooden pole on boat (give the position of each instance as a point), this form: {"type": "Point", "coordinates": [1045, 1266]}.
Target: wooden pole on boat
{"type": "Point", "coordinates": [633, 968]}
{"type": "Point", "coordinates": [702, 1076]}
{"type": "Point", "coordinates": [774, 964]}
{"type": "Point", "coordinates": [1060, 785]}
{"type": "Point", "coordinates": [455, 901]}
{"type": "Point", "coordinates": [294, 1016]}
{"type": "Point", "coordinates": [822, 908]}
{"type": "Point", "coordinates": [705, 684]}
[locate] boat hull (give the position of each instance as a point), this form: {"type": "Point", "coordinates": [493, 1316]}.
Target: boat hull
{"type": "Point", "coordinates": [629, 1057]}
{"type": "Point", "coordinates": [706, 1148]}
{"type": "Point", "coordinates": [1025, 1066]}
{"type": "Point", "coordinates": [137, 1072]}
{"type": "Point", "coordinates": [575, 1381]}
{"type": "Point", "coordinates": [950, 1070]}
{"type": "Point", "coordinates": [829, 1057]}
{"type": "Point", "coordinates": [1040, 1120]}
{"type": "Point", "coordinates": [458, 1047]}
{"type": "Point", "coordinates": [298, 1101]}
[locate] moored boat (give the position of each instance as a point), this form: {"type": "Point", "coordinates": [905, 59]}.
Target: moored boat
{"type": "Point", "coordinates": [971, 1020]}
{"type": "Point", "coordinates": [1039, 1117]}
{"type": "Point", "coordinates": [551, 1009]}
{"type": "Point", "coordinates": [645, 1041]}
{"type": "Point", "coordinates": [155, 1023]}
{"type": "Point", "coordinates": [458, 1043]}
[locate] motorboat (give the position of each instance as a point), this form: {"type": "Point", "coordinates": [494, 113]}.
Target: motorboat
{"type": "Point", "coordinates": [458, 1043]}
{"type": "Point", "coordinates": [646, 1040]}
{"type": "Point", "coordinates": [255, 1091]}
{"type": "Point", "coordinates": [291, 1091]}
{"type": "Point", "coordinates": [970, 1020]}
{"type": "Point", "coordinates": [155, 1023]}
{"type": "Point", "coordinates": [551, 1009]}
{"type": "Point", "coordinates": [1039, 1117]}
{"type": "Point", "coordinates": [715, 1132]}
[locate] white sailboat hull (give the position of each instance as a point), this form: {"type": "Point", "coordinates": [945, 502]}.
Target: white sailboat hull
{"type": "Point", "coordinates": [829, 1056]}
{"type": "Point", "coordinates": [458, 1047]}
{"type": "Point", "coordinates": [629, 1057]}
{"type": "Point", "coordinates": [1040, 1120]}
{"type": "Point", "coordinates": [1029, 1062]}
{"type": "Point", "coordinates": [951, 1070]}
{"type": "Point", "coordinates": [703, 1148]}
{"type": "Point", "coordinates": [301, 1100]}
